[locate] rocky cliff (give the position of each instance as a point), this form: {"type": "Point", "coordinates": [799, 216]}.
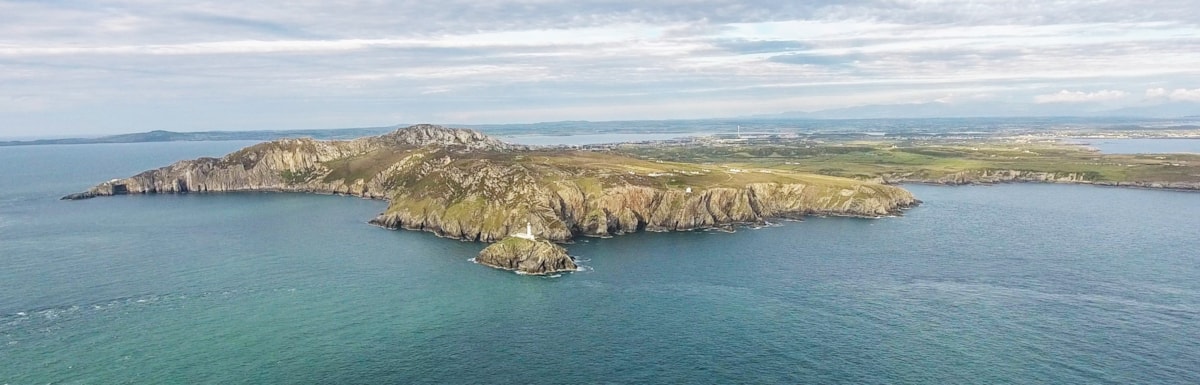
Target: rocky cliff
{"type": "Point", "coordinates": [465, 185]}
{"type": "Point", "coordinates": [567, 208]}
{"type": "Point", "coordinates": [355, 167]}
{"type": "Point", "coordinates": [527, 256]}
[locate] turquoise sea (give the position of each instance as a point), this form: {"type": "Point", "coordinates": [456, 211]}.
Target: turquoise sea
{"type": "Point", "coordinates": [1009, 284]}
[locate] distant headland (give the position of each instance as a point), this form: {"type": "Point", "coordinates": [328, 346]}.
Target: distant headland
{"type": "Point", "coordinates": [172, 136]}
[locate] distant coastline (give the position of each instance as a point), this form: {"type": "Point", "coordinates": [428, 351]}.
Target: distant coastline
{"type": "Point", "coordinates": [760, 125]}
{"type": "Point", "coordinates": [206, 136]}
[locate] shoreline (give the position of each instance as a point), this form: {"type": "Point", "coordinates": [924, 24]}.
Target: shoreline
{"type": "Point", "coordinates": [725, 227]}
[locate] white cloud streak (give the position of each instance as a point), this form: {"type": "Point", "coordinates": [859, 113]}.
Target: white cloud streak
{"type": "Point", "coordinates": [1065, 96]}
{"type": "Point", "coordinates": [1178, 95]}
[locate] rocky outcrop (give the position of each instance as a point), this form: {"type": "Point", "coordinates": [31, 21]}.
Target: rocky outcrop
{"type": "Point", "coordinates": [527, 256]}
{"type": "Point", "coordinates": [428, 134]}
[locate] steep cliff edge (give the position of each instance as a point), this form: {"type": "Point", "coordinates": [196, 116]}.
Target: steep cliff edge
{"type": "Point", "coordinates": [527, 256]}
{"type": "Point", "coordinates": [463, 184]}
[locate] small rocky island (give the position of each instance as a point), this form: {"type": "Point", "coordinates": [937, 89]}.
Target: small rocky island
{"type": "Point", "coordinates": [462, 184]}
{"type": "Point", "coordinates": [527, 255]}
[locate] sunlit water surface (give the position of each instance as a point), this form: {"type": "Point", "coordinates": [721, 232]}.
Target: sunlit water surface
{"type": "Point", "coordinates": [1007, 284]}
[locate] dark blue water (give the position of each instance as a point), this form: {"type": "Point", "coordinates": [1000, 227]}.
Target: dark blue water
{"type": "Point", "coordinates": [1009, 284]}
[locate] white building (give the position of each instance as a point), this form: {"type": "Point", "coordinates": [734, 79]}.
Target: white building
{"type": "Point", "coordinates": [528, 234]}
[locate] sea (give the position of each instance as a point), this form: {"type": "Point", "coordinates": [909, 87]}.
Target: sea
{"type": "Point", "coordinates": [1143, 145]}
{"type": "Point", "coordinates": [1005, 284]}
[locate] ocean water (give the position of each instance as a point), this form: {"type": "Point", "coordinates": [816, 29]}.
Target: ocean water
{"type": "Point", "coordinates": [1144, 146]}
{"type": "Point", "coordinates": [1009, 284]}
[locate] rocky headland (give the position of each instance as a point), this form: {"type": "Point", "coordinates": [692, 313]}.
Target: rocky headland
{"type": "Point", "coordinates": [465, 185]}
{"type": "Point", "coordinates": [462, 184]}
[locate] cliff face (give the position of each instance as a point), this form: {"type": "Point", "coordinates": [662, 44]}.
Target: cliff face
{"type": "Point", "coordinates": [568, 209]}
{"type": "Point", "coordinates": [285, 165]}
{"type": "Point", "coordinates": [526, 256]}
{"type": "Point", "coordinates": [462, 184]}
{"type": "Point", "coordinates": [302, 165]}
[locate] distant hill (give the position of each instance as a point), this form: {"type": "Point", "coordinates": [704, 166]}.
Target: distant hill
{"type": "Point", "coordinates": [171, 136]}
{"type": "Point", "coordinates": [1165, 110]}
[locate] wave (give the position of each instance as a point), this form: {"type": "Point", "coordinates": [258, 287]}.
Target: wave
{"type": "Point", "coordinates": [66, 312]}
{"type": "Point", "coordinates": [765, 225]}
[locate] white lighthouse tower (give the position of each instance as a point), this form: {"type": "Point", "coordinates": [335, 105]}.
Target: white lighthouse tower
{"type": "Point", "coordinates": [528, 232]}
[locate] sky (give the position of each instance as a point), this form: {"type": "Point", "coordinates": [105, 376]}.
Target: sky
{"type": "Point", "coordinates": [74, 67]}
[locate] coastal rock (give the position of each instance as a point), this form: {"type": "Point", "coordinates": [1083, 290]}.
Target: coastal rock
{"type": "Point", "coordinates": [527, 256]}
{"type": "Point", "coordinates": [433, 135]}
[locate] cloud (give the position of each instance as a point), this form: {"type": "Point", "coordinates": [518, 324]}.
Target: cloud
{"type": "Point", "coordinates": [319, 62]}
{"type": "Point", "coordinates": [1178, 95]}
{"type": "Point", "coordinates": [254, 26]}
{"type": "Point", "coordinates": [1065, 96]}
{"type": "Point", "coordinates": [814, 59]}
{"type": "Point", "coordinates": [744, 46]}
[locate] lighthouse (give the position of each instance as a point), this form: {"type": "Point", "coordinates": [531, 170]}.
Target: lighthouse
{"type": "Point", "coordinates": [528, 232]}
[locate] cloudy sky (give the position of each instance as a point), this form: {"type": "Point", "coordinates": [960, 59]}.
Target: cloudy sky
{"type": "Point", "coordinates": [76, 67]}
